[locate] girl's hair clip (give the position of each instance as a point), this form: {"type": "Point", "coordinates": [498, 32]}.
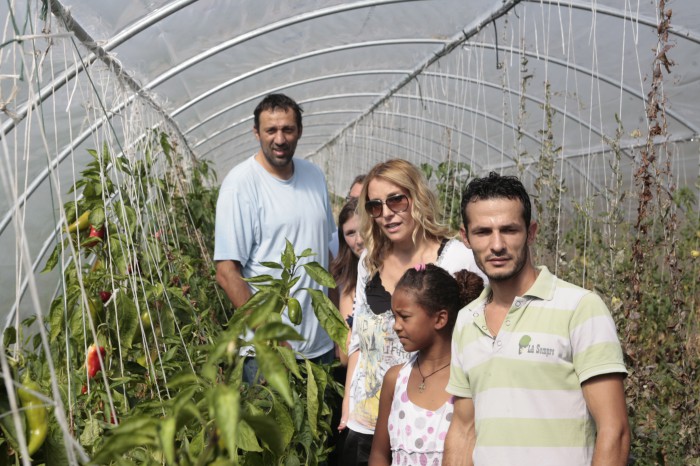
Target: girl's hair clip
{"type": "Point", "coordinates": [420, 267]}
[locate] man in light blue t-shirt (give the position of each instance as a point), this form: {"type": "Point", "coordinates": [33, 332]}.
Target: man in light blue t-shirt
{"type": "Point", "coordinates": [264, 200]}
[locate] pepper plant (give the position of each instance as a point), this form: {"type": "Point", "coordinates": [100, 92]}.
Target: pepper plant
{"type": "Point", "coordinates": [284, 419]}
{"type": "Point", "coordinates": [143, 343]}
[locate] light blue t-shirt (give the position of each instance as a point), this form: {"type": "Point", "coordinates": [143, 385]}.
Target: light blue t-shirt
{"type": "Point", "coordinates": [256, 211]}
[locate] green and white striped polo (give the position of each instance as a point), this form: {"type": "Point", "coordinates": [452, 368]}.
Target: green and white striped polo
{"type": "Point", "coordinates": [526, 382]}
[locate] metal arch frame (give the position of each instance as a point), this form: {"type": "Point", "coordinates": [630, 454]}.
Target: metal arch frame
{"type": "Point", "coordinates": [310, 115]}
{"type": "Point", "coordinates": [320, 13]}
{"type": "Point", "coordinates": [169, 9]}
{"type": "Point", "coordinates": [303, 56]}
{"type": "Point", "coordinates": [279, 88]}
{"type": "Point", "coordinates": [557, 61]}
{"type": "Point", "coordinates": [301, 102]}
{"type": "Point", "coordinates": [484, 115]}
{"type": "Point", "coordinates": [453, 43]}
{"type": "Point", "coordinates": [585, 71]}
{"type": "Point", "coordinates": [616, 13]}
{"type": "Point", "coordinates": [101, 52]}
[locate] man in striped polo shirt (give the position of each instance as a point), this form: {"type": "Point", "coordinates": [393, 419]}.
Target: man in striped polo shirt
{"type": "Point", "coordinates": [537, 368]}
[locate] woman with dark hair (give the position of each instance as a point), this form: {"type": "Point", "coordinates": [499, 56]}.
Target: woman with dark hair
{"type": "Point", "coordinates": [399, 226]}
{"type": "Point", "coordinates": [344, 266]}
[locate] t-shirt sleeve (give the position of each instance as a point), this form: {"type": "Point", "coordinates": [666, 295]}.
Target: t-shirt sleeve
{"type": "Point", "coordinates": [596, 347]}
{"type": "Point", "coordinates": [332, 229]}
{"type": "Point", "coordinates": [458, 384]}
{"type": "Point", "coordinates": [236, 221]}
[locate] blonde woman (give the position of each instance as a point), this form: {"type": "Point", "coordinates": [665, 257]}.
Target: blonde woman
{"type": "Point", "coordinates": [399, 227]}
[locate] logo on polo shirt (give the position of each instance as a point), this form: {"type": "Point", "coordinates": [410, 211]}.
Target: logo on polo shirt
{"type": "Point", "coordinates": [524, 344]}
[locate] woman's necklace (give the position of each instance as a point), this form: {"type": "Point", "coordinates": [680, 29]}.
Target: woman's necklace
{"type": "Point", "coordinates": [421, 387]}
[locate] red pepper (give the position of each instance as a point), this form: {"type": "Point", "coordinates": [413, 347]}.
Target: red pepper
{"type": "Point", "coordinates": [93, 360]}
{"type": "Point", "coordinates": [105, 295]}
{"type": "Point", "coordinates": [98, 232]}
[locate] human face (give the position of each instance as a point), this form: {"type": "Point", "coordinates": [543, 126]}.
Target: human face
{"type": "Point", "coordinates": [351, 233]}
{"type": "Point", "coordinates": [413, 325]}
{"type": "Point", "coordinates": [397, 226]}
{"type": "Point", "coordinates": [498, 237]}
{"type": "Point", "coordinates": [278, 134]}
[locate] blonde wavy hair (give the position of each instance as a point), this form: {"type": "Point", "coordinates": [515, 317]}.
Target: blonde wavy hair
{"type": "Point", "coordinates": [424, 209]}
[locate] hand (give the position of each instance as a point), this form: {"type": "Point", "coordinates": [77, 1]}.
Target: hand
{"type": "Point", "coordinates": [343, 425]}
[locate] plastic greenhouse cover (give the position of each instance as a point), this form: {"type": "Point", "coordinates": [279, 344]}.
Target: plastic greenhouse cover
{"type": "Point", "coordinates": [426, 80]}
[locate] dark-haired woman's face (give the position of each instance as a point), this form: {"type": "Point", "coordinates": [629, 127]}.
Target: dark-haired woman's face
{"type": "Point", "coordinates": [351, 233]}
{"type": "Point", "coordinates": [397, 226]}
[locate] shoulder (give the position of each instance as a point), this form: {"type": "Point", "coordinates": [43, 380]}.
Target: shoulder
{"type": "Point", "coordinates": [240, 176]}
{"type": "Point", "coordinates": [308, 168]}
{"type": "Point", "coordinates": [576, 295]}
{"type": "Point", "coordinates": [391, 376]}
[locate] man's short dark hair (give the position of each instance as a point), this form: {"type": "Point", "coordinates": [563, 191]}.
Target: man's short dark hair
{"type": "Point", "coordinates": [277, 101]}
{"type": "Point", "coordinates": [359, 179]}
{"type": "Point", "coordinates": [495, 186]}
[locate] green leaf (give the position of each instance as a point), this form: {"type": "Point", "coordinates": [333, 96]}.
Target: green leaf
{"type": "Point", "coordinates": [272, 265]}
{"type": "Point", "coordinates": [56, 318]}
{"type": "Point", "coordinates": [52, 260]}
{"type": "Point", "coordinates": [289, 360]}
{"type": "Point", "coordinates": [311, 399]}
{"type": "Point", "coordinates": [292, 459]}
{"type": "Point", "coordinates": [166, 435]}
{"type": "Point", "coordinates": [128, 218]}
{"type": "Point", "coordinates": [128, 319]}
{"type": "Point", "coordinates": [280, 413]}
{"type": "Point", "coordinates": [91, 432]}
{"type": "Point", "coordinates": [288, 257]}
{"type": "Point", "coordinates": [226, 402]}
{"type": "Point", "coordinates": [272, 306]}
{"type": "Point", "coordinates": [253, 302]}
{"type": "Point", "coordinates": [267, 430]}
{"type": "Point", "coordinates": [97, 217]}
{"type": "Point", "coordinates": [246, 438]}
{"type": "Point", "coordinates": [329, 317]}
{"type": "Point", "coordinates": [7, 424]}
{"type": "Point", "coordinates": [273, 370]}
{"type": "Point", "coordinates": [306, 253]}
{"type": "Point", "coordinates": [259, 279]}
{"type": "Point", "coordinates": [319, 274]}
{"type": "Point", "coordinates": [276, 331]}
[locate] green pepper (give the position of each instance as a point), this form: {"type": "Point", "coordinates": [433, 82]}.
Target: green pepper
{"type": "Point", "coordinates": [36, 415]}
{"type": "Point", "coordinates": [294, 311]}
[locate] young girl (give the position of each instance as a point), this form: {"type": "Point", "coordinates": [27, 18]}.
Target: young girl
{"type": "Point", "coordinates": [414, 409]}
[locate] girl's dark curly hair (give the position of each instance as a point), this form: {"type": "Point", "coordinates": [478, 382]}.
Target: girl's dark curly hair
{"type": "Point", "coordinates": [435, 289]}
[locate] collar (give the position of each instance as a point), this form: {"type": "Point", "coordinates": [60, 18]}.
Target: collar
{"type": "Point", "coordinates": [544, 287]}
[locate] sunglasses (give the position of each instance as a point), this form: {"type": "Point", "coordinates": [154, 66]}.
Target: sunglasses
{"type": "Point", "coordinates": [397, 203]}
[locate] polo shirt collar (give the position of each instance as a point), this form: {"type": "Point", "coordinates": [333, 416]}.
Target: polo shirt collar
{"type": "Point", "coordinates": [545, 285]}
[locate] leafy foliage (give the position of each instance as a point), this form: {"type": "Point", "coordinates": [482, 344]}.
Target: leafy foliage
{"type": "Point", "coordinates": [450, 180]}
{"type": "Point", "coordinates": [171, 388]}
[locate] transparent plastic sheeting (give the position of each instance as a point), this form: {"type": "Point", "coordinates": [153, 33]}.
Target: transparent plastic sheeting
{"type": "Point", "coordinates": [481, 81]}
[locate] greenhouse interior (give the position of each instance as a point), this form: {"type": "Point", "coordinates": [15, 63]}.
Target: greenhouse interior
{"type": "Point", "coordinates": [120, 347]}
